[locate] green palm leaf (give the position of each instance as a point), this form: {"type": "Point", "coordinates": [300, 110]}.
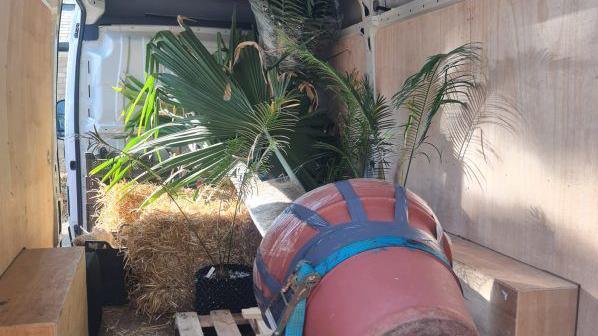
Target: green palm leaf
{"type": "Point", "coordinates": [365, 122]}
{"type": "Point", "coordinates": [235, 112]}
{"type": "Point", "coordinates": [444, 79]}
{"type": "Point", "coordinates": [312, 23]}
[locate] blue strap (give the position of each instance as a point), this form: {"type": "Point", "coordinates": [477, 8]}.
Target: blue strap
{"type": "Point", "coordinates": [356, 248]}
{"type": "Point", "coordinates": [313, 219]}
{"type": "Point", "coordinates": [401, 207]}
{"type": "Point", "coordinates": [319, 247]}
{"type": "Point", "coordinates": [297, 321]}
{"type": "Point", "coordinates": [307, 215]}
{"type": "Point", "coordinates": [353, 202]}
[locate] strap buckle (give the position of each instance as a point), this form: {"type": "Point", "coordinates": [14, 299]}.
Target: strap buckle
{"type": "Point", "coordinates": [301, 291]}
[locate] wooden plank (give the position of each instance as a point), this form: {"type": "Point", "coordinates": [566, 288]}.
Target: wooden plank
{"type": "Point", "coordinates": [224, 323]}
{"type": "Point", "coordinates": [262, 329]}
{"type": "Point", "coordinates": [255, 315]}
{"type": "Point", "coordinates": [27, 31]}
{"type": "Point", "coordinates": [509, 298]}
{"type": "Point", "coordinates": [206, 320]}
{"type": "Point", "coordinates": [268, 199]}
{"type": "Point", "coordinates": [51, 4]}
{"type": "Point", "coordinates": [252, 313]}
{"type": "Point", "coordinates": [537, 198]}
{"type": "Point", "coordinates": [43, 293]}
{"type": "Point", "coordinates": [188, 324]}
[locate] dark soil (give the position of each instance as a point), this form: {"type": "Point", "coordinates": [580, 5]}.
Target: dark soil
{"type": "Point", "coordinates": [228, 287]}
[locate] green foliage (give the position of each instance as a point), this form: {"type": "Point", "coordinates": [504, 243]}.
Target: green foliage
{"type": "Point", "coordinates": [365, 124]}
{"type": "Point", "coordinates": [445, 79]}
{"type": "Point", "coordinates": [311, 23]}
{"type": "Point", "coordinates": [233, 111]}
{"type": "Point", "coordinates": [199, 116]}
{"type": "Point", "coordinates": [365, 134]}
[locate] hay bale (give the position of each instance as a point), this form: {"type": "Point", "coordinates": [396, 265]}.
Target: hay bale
{"type": "Point", "coordinates": [119, 205]}
{"type": "Point", "coordinates": [163, 247]}
{"type": "Point", "coordinates": [97, 233]}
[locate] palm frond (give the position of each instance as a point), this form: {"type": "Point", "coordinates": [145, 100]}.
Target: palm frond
{"type": "Point", "coordinates": [236, 112]}
{"type": "Point", "coordinates": [311, 23]}
{"type": "Point", "coordinates": [445, 79]}
{"type": "Point", "coordinates": [364, 123]}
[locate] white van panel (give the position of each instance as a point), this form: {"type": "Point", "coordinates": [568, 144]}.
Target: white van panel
{"type": "Point", "coordinates": [120, 50]}
{"type": "Point", "coordinates": [69, 123]}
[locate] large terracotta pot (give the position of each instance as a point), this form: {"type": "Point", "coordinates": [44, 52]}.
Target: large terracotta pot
{"type": "Point", "coordinates": [401, 289]}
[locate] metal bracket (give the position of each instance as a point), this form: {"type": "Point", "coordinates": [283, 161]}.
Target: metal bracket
{"type": "Point", "coordinates": [301, 291]}
{"type": "Point", "coordinates": [410, 9]}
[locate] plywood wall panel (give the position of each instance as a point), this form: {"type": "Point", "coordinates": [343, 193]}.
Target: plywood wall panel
{"type": "Point", "coordinates": [538, 198]}
{"type": "Point", "coordinates": [26, 127]}
{"type": "Point", "coordinates": [401, 49]}
{"type": "Point", "coordinates": [349, 53]}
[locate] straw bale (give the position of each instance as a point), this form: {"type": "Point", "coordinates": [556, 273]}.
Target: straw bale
{"type": "Point", "coordinates": [163, 247]}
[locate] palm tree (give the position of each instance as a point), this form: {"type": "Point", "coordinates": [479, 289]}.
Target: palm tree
{"type": "Point", "coordinates": [445, 79]}
{"type": "Point", "coordinates": [230, 109]}
{"type": "Point", "coordinates": [365, 123]}
{"type": "Point", "coordinates": [311, 23]}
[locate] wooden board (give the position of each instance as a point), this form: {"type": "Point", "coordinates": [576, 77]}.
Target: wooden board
{"type": "Point", "coordinates": [225, 323]}
{"type": "Point", "coordinates": [537, 202]}
{"type": "Point", "coordinates": [188, 324]}
{"type": "Point", "coordinates": [27, 29]}
{"type": "Point", "coordinates": [509, 298]}
{"type": "Point", "coordinates": [254, 316]}
{"type": "Point", "coordinates": [43, 293]}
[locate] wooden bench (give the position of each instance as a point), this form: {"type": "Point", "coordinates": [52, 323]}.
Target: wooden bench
{"type": "Point", "coordinates": [509, 298]}
{"type": "Point", "coordinates": [223, 321]}
{"type": "Point", "coordinates": [43, 293]}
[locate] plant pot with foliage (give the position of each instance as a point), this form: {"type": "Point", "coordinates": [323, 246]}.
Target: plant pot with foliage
{"type": "Point", "coordinates": [226, 286]}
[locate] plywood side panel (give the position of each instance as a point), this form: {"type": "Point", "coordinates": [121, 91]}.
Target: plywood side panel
{"type": "Point", "coordinates": [402, 48]}
{"type": "Point", "coordinates": [349, 53]}
{"type": "Point", "coordinates": [26, 127]}
{"type": "Point", "coordinates": [536, 198]}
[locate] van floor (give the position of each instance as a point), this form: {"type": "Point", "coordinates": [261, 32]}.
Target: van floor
{"type": "Point", "coordinates": [122, 321]}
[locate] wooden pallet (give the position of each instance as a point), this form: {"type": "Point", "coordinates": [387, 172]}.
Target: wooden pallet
{"type": "Point", "coordinates": [225, 323]}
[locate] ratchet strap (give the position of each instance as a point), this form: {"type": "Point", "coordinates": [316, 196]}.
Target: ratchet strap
{"type": "Point", "coordinates": [332, 245]}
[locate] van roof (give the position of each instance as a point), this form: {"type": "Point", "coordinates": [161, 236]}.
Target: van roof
{"type": "Point", "coordinates": [206, 13]}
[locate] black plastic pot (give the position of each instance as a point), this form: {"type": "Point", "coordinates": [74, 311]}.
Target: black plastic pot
{"type": "Point", "coordinates": [226, 287]}
{"type": "Point", "coordinates": [112, 288]}
{"type": "Point", "coordinates": [94, 293]}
